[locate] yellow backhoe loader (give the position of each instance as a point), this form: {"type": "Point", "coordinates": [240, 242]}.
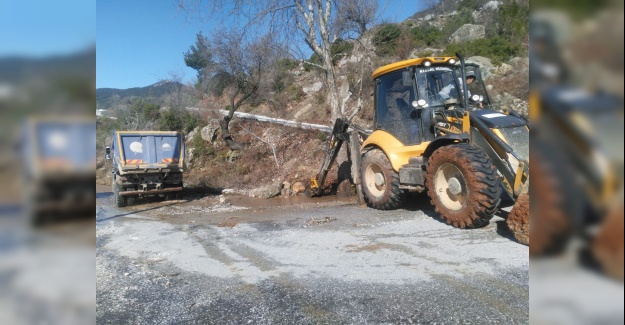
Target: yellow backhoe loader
{"type": "Point", "coordinates": [435, 129]}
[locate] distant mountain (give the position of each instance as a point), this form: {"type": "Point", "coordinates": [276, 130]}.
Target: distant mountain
{"type": "Point", "coordinates": [107, 97]}
{"type": "Point", "coordinates": [19, 69]}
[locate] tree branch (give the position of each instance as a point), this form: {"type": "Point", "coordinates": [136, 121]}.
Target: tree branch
{"type": "Point", "coordinates": [271, 145]}
{"type": "Point", "coordinates": [314, 65]}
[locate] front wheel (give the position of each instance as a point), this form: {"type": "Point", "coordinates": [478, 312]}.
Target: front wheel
{"type": "Point", "coordinates": [380, 183]}
{"type": "Point", "coordinates": [463, 185]}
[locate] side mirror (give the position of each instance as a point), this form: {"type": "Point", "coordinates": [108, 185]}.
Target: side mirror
{"type": "Point", "coordinates": [108, 153]}
{"type": "Point", "coordinates": [406, 78]}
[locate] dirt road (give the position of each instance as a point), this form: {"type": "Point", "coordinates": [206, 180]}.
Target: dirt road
{"type": "Point", "coordinates": [233, 260]}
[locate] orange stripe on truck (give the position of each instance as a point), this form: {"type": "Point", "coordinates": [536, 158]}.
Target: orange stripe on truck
{"type": "Point", "coordinates": [134, 161]}
{"type": "Point", "coordinates": [170, 160]}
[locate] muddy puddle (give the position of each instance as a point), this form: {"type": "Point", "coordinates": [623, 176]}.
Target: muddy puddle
{"type": "Point", "coordinates": [223, 210]}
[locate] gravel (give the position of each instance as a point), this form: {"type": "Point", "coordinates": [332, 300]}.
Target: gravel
{"type": "Point", "coordinates": [355, 266]}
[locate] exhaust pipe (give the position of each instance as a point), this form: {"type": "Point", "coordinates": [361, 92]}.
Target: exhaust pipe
{"type": "Point", "coordinates": [465, 90]}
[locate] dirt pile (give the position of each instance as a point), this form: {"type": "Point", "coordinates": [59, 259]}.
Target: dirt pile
{"type": "Point", "coordinates": [272, 157]}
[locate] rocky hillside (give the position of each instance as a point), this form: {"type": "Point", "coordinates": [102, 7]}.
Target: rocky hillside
{"type": "Point", "coordinates": [276, 156]}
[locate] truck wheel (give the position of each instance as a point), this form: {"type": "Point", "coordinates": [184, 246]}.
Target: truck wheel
{"type": "Point", "coordinates": [464, 185]}
{"type": "Point", "coordinates": [380, 182]}
{"type": "Point", "coordinates": [120, 201]}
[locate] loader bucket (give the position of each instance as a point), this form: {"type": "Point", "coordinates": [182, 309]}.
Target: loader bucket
{"type": "Point", "coordinates": [607, 247]}
{"type": "Point", "coordinates": [519, 219]}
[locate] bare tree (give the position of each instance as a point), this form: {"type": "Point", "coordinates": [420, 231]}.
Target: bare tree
{"type": "Point", "coordinates": [314, 20]}
{"type": "Point", "coordinates": [241, 65]}
{"type": "Point", "coordinates": [175, 89]}
{"type": "Point", "coordinates": [356, 15]}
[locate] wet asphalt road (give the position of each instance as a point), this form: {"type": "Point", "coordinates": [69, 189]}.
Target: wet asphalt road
{"type": "Point", "coordinates": [308, 263]}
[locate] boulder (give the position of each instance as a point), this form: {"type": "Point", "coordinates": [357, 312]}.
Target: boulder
{"type": "Point", "coordinates": [268, 191]}
{"type": "Point", "coordinates": [506, 102]}
{"type": "Point", "coordinates": [504, 68]}
{"type": "Point", "coordinates": [468, 32]}
{"type": "Point", "coordinates": [313, 88]}
{"type": "Point", "coordinates": [189, 156]}
{"type": "Point", "coordinates": [298, 187]}
{"type": "Point", "coordinates": [491, 5]}
{"type": "Point", "coordinates": [416, 53]}
{"type": "Point", "coordinates": [486, 66]}
{"type": "Point", "coordinates": [520, 64]}
{"type": "Point", "coordinates": [286, 192]}
{"type": "Point", "coordinates": [209, 132]}
{"type": "Point", "coordinates": [192, 134]}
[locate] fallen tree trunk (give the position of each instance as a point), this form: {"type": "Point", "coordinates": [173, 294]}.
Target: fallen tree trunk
{"type": "Point", "coordinates": [295, 124]}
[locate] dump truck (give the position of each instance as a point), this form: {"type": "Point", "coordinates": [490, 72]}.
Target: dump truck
{"type": "Point", "coordinates": [433, 131]}
{"type": "Point", "coordinates": [59, 168]}
{"type": "Point", "coordinates": [146, 163]}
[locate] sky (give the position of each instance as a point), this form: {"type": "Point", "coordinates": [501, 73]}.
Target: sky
{"type": "Point", "coordinates": [43, 28]}
{"type": "Point", "coordinates": [141, 42]}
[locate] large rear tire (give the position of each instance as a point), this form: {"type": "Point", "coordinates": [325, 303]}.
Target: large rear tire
{"type": "Point", "coordinates": [120, 201]}
{"type": "Point", "coordinates": [464, 185]}
{"type": "Point", "coordinates": [380, 183]}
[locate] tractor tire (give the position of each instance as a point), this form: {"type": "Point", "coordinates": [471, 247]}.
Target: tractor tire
{"type": "Point", "coordinates": [519, 219]}
{"type": "Point", "coordinates": [120, 201]}
{"type": "Point", "coordinates": [380, 183]}
{"type": "Point", "coordinates": [463, 185]}
{"type": "Point", "coordinates": [556, 208]}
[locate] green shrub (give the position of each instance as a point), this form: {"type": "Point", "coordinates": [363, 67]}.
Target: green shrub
{"type": "Point", "coordinates": [315, 59]}
{"type": "Point", "coordinates": [296, 93]}
{"type": "Point", "coordinates": [189, 121]}
{"type": "Point", "coordinates": [340, 49]}
{"type": "Point", "coordinates": [169, 121]}
{"type": "Point", "coordinates": [513, 21]}
{"type": "Point", "coordinates": [426, 35]}
{"type": "Point", "coordinates": [385, 39]}
{"type": "Point", "coordinates": [200, 147]}
{"type": "Point", "coordinates": [498, 49]}
{"type": "Point", "coordinates": [286, 64]}
{"type": "Point", "coordinates": [175, 120]}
